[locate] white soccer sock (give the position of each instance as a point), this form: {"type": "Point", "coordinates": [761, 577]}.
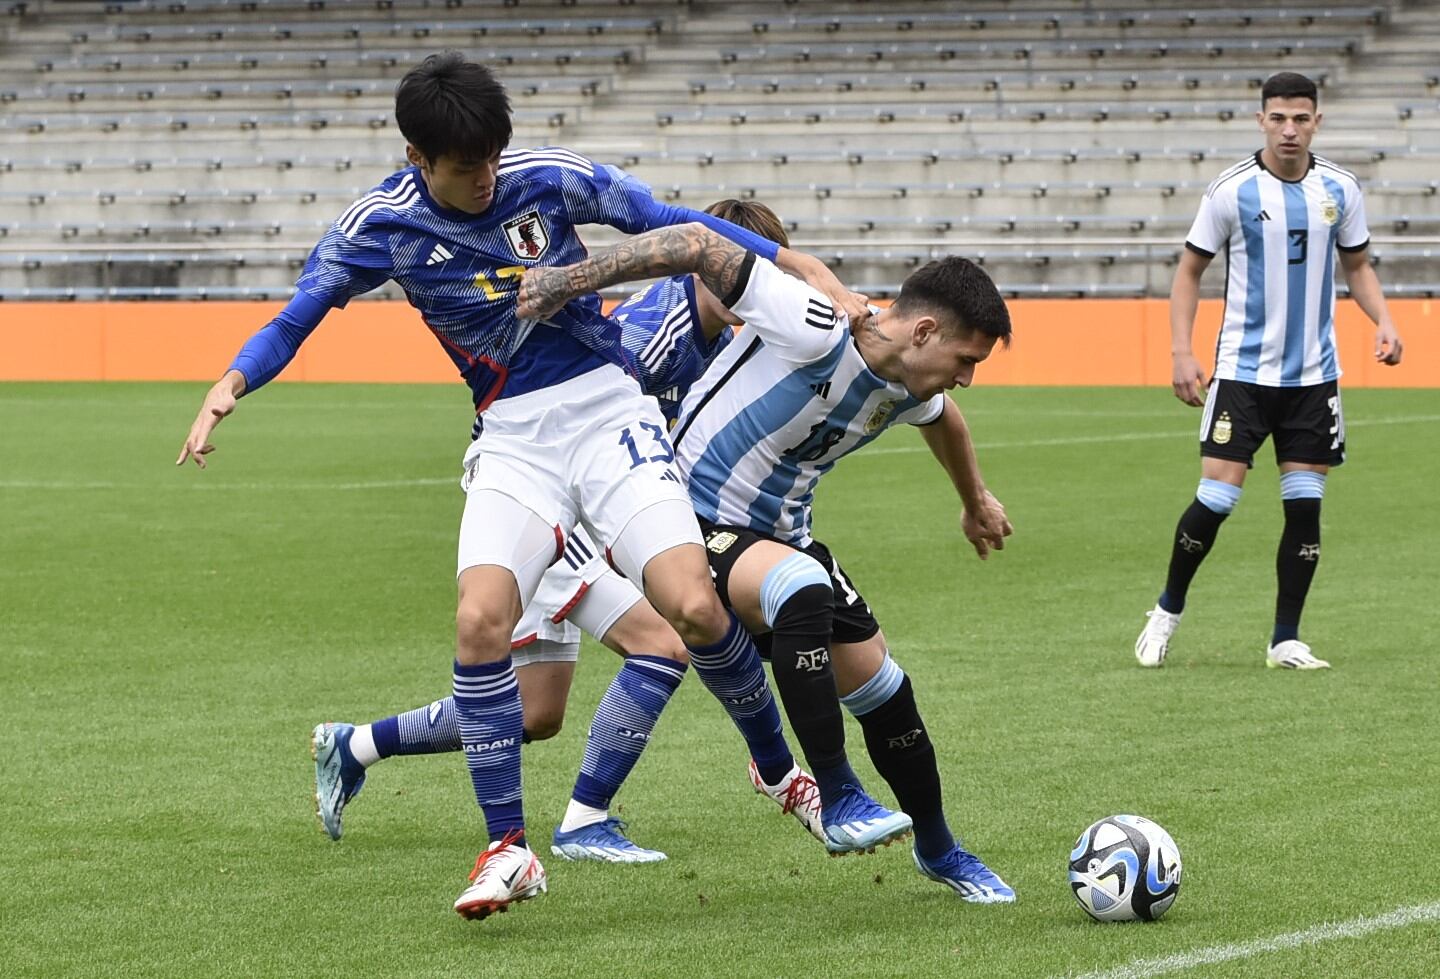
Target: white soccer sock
{"type": "Point", "coordinates": [362, 745]}
{"type": "Point", "coordinates": [577, 814]}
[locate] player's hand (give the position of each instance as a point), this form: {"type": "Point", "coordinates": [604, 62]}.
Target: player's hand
{"type": "Point", "coordinates": [1388, 347]}
{"type": "Point", "coordinates": [219, 402]}
{"type": "Point", "coordinates": [986, 526]}
{"type": "Point", "coordinates": [818, 275]}
{"type": "Point", "coordinates": [1187, 377]}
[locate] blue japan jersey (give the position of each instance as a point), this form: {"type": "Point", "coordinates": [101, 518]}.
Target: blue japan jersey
{"type": "Point", "coordinates": [661, 343]}
{"type": "Point", "coordinates": [461, 271]}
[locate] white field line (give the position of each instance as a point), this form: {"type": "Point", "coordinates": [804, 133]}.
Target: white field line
{"type": "Point", "coordinates": [1354, 928]}
{"type": "Point", "coordinates": [201, 482]}
{"type": "Point", "coordinates": [1193, 432]}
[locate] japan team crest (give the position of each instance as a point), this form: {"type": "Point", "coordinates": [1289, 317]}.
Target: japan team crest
{"type": "Point", "coordinates": [1329, 210]}
{"type": "Point", "coordinates": [527, 236]}
{"type": "Point", "coordinates": [879, 417]}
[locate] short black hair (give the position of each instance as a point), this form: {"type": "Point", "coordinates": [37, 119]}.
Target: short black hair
{"type": "Point", "coordinates": [1288, 85]}
{"type": "Point", "coordinates": [959, 294]}
{"type": "Point", "coordinates": [449, 105]}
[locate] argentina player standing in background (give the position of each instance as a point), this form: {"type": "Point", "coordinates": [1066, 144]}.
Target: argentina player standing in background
{"type": "Point", "coordinates": [1280, 216]}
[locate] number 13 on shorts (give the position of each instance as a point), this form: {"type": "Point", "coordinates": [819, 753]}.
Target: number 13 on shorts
{"type": "Point", "coordinates": [650, 446]}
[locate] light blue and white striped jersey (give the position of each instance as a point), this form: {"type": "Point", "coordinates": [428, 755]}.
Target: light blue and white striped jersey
{"type": "Point", "coordinates": [780, 406]}
{"type": "Point", "coordinates": [1279, 239]}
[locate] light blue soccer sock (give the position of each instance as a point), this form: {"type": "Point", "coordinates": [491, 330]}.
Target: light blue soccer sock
{"type": "Point", "coordinates": [731, 670]}
{"type": "Point", "coordinates": [429, 730]}
{"type": "Point", "coordinates": [623, 724]}
{"type": "Point", "coordinates": [487, 708]}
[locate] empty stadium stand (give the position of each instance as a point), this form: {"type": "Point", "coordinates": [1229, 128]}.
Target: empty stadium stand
{"type": "Point", "coordinates": [156, 149]}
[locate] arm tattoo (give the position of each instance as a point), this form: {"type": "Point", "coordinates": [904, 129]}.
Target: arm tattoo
{"type": "Point", "coordinates": [664, 251]}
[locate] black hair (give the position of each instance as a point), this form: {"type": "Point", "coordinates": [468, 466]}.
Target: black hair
{"type": "Point", "coordinates": [961, 296]}
{"type": "Point", "coordinates": [449, 105]}
{"type": "Point", "coordinates": [1288, 85]}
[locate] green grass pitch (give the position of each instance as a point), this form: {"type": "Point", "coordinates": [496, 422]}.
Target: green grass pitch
{"type": "Point", "coordinates": [168, 638]}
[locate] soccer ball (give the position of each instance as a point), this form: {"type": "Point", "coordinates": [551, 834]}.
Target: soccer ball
{"type": "Point", "coordinates": [1125, 868]}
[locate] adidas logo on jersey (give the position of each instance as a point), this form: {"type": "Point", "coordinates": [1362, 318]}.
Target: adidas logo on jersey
{"type": "Point", "coordinates": [823, 390]}
{"type": "Point", "coordinates": [439, 254]}
{"type": "Point", "coordinates": [1264, 215]}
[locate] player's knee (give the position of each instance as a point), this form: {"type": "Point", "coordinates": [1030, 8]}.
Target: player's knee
{"type": "Point", "coordinates": [482, 635]}
{"type": "Point", "coordinates": [699, 618]}
{"type": "Point", "coordinates": [797, 594]}
{"type": "Point", "coordinates": [1217, 496]}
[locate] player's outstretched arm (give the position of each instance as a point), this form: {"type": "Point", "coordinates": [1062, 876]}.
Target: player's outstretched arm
{"type": "Point", "coordinates": [674, 250]}
{"type": "Point", "coordinates": [1366, 291]}
{"type": "Point", "coordinates": [984, 521]}
{"type": "Point", "coordinates": [1187, 377]}
{"type": "Point", "coordinates": [219, 402]}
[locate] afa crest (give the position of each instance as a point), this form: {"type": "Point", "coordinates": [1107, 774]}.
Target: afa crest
{"type": "Point", "coordinates": [1220, 434]}
{"type": "Point", "coordinates": [1329, 210]}
{"type": "Point", "coordinates": [527, 236]}
{"type": "Point", "coordinates": [720, 541]}
{"type": "Point", "coordinates": [879, 417]}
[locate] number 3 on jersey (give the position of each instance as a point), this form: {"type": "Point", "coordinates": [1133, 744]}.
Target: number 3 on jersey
{"type": "Point", "coordinates": [657, 436]}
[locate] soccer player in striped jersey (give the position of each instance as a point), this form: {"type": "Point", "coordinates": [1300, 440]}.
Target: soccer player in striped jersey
{"type": "Point", "coordinates": [798, 390]}
{"type": "Point", "coordinates": [569, 438]}
{"type": "Point", "coordinates": [1280, 217]}
{"type": "Point", "coordinates": [669, 330]}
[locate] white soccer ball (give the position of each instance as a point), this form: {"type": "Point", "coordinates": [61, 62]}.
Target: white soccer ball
{"type": "Point", "coordinates": [1125, 868]}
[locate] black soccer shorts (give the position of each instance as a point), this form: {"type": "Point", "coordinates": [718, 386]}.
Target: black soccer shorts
{"type": "Point", "coordinates": [1306, 423]}
{"type": "Point", "coordinates": [853, 622]}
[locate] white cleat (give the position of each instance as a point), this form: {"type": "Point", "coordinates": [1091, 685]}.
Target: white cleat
{"type": "Point", "coordinates": [1292, 654]}
{"type": "Point", "coordinates": [503, 875]}
{"type": "Point", "coordinates": [797, 794]}
{"type": "Point", "coordinates": [1154, 641]}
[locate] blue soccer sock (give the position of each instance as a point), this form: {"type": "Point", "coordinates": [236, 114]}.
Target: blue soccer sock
{"type": "Point", "coordinates": [427, 730]}
{"type": "Point", "coordinates": [731, 670]}
{"type": "Point", "coordinates": [623, 724]}
{"type": "Point", "coordinates": [487, 708]}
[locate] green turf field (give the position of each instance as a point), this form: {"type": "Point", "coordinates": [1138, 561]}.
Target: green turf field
{"type": "Point", "coordinates": [168, 638]}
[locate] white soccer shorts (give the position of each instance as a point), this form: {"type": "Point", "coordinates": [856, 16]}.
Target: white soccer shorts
{"type": "Point", "coordinates": [591, 451]}
{"type": "Point", "coordinates": [580, 592]}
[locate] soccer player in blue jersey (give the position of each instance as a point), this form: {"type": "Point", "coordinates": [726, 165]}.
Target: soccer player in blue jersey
{"type": "Point", "coordinates": [1280, 216]}
{"type": "Point", "coordinates": [669, 332]}
{"type": "Point", "coordinates": [797, 391]}
{"type": "Point", "coordinates": [569, 440]}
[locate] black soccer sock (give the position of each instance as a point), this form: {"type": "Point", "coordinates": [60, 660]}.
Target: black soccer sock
{"type": "Point", "coordinates": [1295, 562]}
{"type": "Point", "coordinates": [1194, 536]}
{"type": "Point", "coordinates": [800, 660]}
{"type": "Point", "coordinates": [902, 753]}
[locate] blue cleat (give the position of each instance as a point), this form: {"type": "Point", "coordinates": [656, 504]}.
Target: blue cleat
{"type": "Point", "coordinates": [966, 875]}
{"type": "Point", "coordinates": [338, 776]}
{"type": "Point", "coordinates": [605, 842]}
{"type": "Point", "coordinates": [859, 824]}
